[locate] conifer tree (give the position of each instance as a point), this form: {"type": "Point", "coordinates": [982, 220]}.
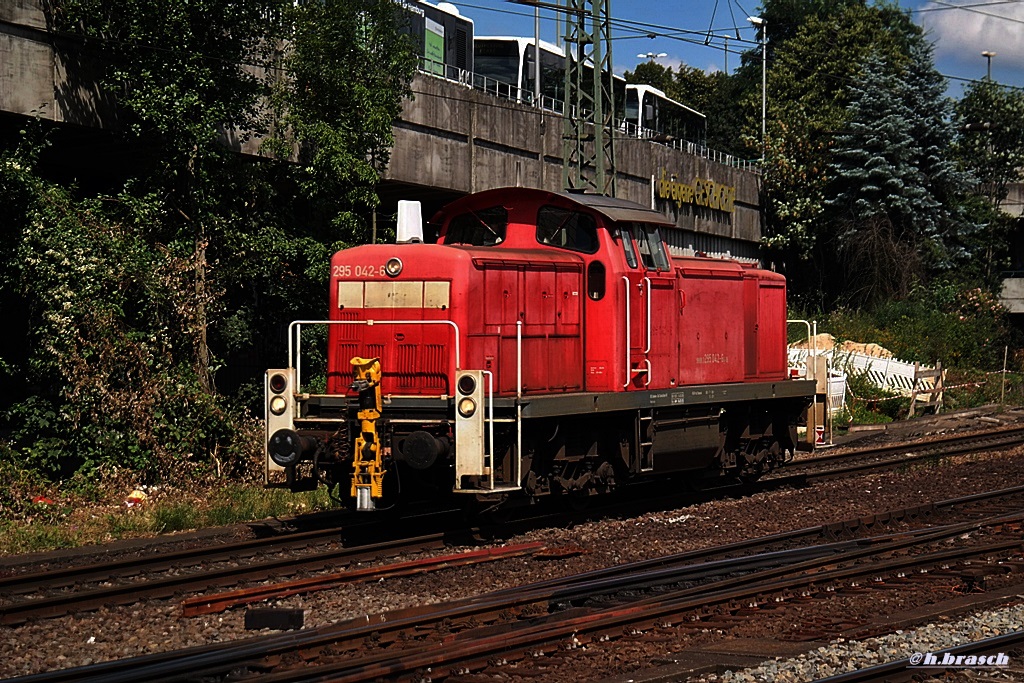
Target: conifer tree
{"type": "Point", "coordinates": [892, 201]}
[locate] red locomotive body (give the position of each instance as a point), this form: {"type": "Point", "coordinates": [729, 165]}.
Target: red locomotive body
{"type": "Point", "coordinates": [547, 344]}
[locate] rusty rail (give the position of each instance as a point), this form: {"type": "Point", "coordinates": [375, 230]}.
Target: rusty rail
{"type": "Point", "coordinates": [468, 647]}
{"type": "Point", "coordinates": [209, 604]}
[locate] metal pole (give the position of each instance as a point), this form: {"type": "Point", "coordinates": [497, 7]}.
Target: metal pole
{"type": "Point", "coordinates": [764, 84]}
{"type": "Point", "coordinates": [559, 38]}
{"type": "Point", "coordinates": [988, 55]}
{"type": "Point", "coordinates": [1002, 397]}
{"type": "Point", "coordinates": [536, 56]}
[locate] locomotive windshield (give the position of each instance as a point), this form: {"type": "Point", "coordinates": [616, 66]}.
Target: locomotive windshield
{"type": "Point", "coordinates": [558, 227]}
{"type": "Point", "coordinates": [652, 250]}
{"type": "Point", "coordinates": [484, 228]}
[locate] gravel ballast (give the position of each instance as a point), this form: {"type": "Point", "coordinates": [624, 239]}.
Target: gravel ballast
{"type": "Point", "coordinates": [157, 626]}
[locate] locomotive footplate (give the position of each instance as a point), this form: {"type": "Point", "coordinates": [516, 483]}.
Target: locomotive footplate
{"type": "Point", "coordinates": [709, 394]}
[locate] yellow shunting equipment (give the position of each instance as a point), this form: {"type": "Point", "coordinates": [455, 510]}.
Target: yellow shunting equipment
{"type": "Point", "coordinates": [367, 464]}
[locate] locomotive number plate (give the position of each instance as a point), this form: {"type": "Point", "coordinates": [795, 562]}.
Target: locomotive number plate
{"type": "Point", "coordinates": [358, 270]}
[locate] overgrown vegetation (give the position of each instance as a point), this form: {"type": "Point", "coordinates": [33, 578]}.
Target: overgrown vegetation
{"type": "Point", "coordinates": [30, 521]}
{"type": "Point", "coordinates": [144, 298]}
{"type": "Point", "coordinates": [875, 184]}
{"type": "Point", "coordinates": [964, 328]}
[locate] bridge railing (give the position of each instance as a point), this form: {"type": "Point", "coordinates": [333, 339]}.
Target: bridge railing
{"type": "Point", "coordinates": [513, 93]}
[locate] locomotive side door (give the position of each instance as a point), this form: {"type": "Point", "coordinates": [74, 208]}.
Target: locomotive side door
{"type": "Point", "coordinates": [635, 310]}
{"type": "Point", "coordinates": [661, 307]}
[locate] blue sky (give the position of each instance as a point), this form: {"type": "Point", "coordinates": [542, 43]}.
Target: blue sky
{"type": "Point", "coordinates": [960, 29]}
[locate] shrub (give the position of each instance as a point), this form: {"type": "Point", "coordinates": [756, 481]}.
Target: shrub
{"type": "Point", "coordinates": [964, 327]}
{"type": "Point", "coordinates": [868, 404]}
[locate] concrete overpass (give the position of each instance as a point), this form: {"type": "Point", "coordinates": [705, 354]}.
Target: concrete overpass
{"type": "Point", "coordinates": [450, 140]}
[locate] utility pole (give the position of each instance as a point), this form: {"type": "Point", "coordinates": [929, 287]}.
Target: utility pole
{"type": "Point", "coordinates": [588, 138]}
{"type": "Point", "coordinates": [588, 153]}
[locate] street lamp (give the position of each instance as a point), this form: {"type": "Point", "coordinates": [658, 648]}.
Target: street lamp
{"type": "Point", "coordinates": [988, 55]}
{"type": "Point", "coordinates": [652, 55]}
{"type": "Point", "coordinates": [761, 23]}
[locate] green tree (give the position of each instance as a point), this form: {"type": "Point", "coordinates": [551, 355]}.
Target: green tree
{"type": "Point", "coordinates": [884, 208]}
{"type": "Point", "coordinates": [990, 146]}
{"type": "Point", "coordinates": [990, 118]}
{"type": "Point", "coordinates": [892, 180]}
{"type": "Point", "coordinates": [348, 66]}
{"type": "Point", "coordinates": [179, 72]}
{"type": "Point", "coordinates": [136, 295]}
{"type": "Point", "coordinates": [721, 97]}
{"type": "Point", "coordinates": [784, 18]}
{"type": "Point", "coordinates": [652, 73]}
{"type": "Point", "coordinates": [809, 84]}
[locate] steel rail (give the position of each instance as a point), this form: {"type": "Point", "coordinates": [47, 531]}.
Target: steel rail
{"type": "Point", "coordinates": [902, 670]}
{"type": "Point", "coordinates": [126, 567]}
{"type": "Point", "coordinates": [1009, 434]}
{"type": "Point", "coordinates": [18, 612]}
{"type": "Point", "coordinates": [209, 659]}
{"type": "Point", "coordinates": [210, 604]}
{"type": "Point", "coordinates": [909, 453]}
{"type": "Point", "coordinates": [471, 648]}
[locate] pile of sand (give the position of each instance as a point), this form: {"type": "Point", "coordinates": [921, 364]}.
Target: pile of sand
{"type": "Point", "coordinates": [826, 342]}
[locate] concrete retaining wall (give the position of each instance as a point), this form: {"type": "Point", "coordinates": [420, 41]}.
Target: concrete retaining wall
{"type": "Point", "coordinates": [454, 137]}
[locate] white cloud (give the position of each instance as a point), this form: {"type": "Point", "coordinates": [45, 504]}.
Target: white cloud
{"type": "Point", "coordinates": [961, 35]}
{"type": "Point", "coordinates": [672, 62]}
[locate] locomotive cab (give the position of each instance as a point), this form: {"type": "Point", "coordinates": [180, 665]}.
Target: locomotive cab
{"type": "Point", "coordinates": [546, 344]}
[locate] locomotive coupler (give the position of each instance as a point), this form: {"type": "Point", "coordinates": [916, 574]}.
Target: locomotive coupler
{"type": "Point", "coordinates": [367, 463]}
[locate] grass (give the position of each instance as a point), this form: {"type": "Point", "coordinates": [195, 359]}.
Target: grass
{"type": "Point", "coordinates": [72, 523]}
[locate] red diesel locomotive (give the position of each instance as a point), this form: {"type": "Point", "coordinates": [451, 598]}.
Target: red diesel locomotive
{"type": "Point", "coordinates": [547, 344]}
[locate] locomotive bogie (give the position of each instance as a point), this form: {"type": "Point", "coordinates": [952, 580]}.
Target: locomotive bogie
{"type": "Point", "coordinates": [548, 344]}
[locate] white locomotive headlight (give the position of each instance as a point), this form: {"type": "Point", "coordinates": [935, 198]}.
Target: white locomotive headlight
{"type": "Point", "coordinates": [393, 267]}
{"type": "Point", "coordinates": [467, 407]}
{"type": "Point", "coordinates": [278, 405]}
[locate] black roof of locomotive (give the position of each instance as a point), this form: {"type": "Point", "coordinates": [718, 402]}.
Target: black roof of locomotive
{"type": "Point", "coordinates": [618, 209]}
{"type": "Point", "coordinates": [612, 208]}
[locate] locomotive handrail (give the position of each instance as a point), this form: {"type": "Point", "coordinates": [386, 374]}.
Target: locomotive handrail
{"type": "Point", "coordinates": [519, 359]}
{"type": "Point", "coordinates": [810, 373]}
{"type": "Point", "coordinates": [629, 340]}
{"type": "Point", "coordinates": [295, 339]}
{"type": "Point", "coordinates": [490, 421]}
{"type": "Point", "coordinates": [647, 349]}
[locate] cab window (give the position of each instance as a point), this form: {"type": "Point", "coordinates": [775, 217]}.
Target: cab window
{"type": "Point", "coordinates": [484, 228]}
{"type": "Point", "coordinates": [558, 227]}
{"type": "Point", "coordinates": [627, 247]}
{"type": "Point", "coordinates": [652, 250]}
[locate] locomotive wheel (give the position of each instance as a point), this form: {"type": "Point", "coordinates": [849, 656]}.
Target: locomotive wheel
{"type": "Point", "coordinates": [750, 474]}
{"type": "Point", "coordinates": [577, 501]}
{"type": "Point", "coordinates": [761, 462]}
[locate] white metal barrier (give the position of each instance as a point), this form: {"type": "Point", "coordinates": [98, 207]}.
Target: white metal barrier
{"type": "Point", "coordinates": [891, 374]}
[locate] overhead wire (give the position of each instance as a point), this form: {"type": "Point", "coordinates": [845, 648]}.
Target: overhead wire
{"type": "Point", "coordinates": [967, 8]}
{"type": "Point", "coordinates": [949, 6]}
{"type": "Point", "coordinates": [634, 29]}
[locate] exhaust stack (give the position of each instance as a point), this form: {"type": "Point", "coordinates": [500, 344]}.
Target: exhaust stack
{"type": "Point", "coordinates": [410, 222]}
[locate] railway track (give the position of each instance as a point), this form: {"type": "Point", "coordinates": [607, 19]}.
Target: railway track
{"type": "Point", "coordinates": [55, 592]}
{"type": "Point", "coordinates": [885, 457]}
{"type": "Point", "coordinates": [906, 670]}
{"type": "Point", "coordinates": [515, 625]}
